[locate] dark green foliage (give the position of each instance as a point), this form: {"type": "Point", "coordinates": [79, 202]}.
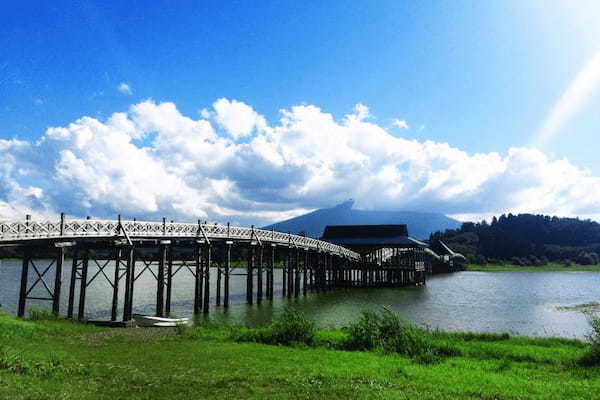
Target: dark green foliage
{"type": "Point", "coordinates": [292, 327]}
{"type": "Point", "coordinates": [592, 357]}
{"type": "Point", "coordinates": [484, 337]}
{"type": "Point", "coordinates": [389, 333]}
{"type": "Point", "coordinates": [364, 333]}
{"type": "Point", "coordinates": [526, 240]}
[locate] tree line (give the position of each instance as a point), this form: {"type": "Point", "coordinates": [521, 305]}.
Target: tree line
{"type": "Point", "coordinates": [526, 239]}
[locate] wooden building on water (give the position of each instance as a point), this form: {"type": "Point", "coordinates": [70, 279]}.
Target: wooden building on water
{"type": "Point", "coordinates": [390, 256]}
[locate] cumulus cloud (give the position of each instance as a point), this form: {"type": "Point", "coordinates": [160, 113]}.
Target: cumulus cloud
{"type": "Point", "coordinates": [152, 161]}
{"type": "Point", "coordinates": [125, 89]}
{"type": "Point", "coordinates": [237, 118]}
{"type": "Point", "coordinates": [400, 123]}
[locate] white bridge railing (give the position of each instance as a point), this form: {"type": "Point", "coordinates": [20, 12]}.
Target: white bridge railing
{"type": "Point", "coordinates": [12, 231]}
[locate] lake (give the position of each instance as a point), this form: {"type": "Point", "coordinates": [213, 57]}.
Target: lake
{"type": "Point", "coordinates": [523, 303]}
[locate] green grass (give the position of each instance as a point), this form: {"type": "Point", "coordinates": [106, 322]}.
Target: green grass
{"type": "Point", "coordinates": [51, 359]}
{"type": "Point", "coordinates": [544, 268]}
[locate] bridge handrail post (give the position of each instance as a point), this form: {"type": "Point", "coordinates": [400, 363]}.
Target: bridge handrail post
{"type": "Point", "coordinates": [62, 224]}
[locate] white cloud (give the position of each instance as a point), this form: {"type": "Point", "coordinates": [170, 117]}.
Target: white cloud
{"type": "Point", "coordinates": [125, 89]}
{"type": "Point", "coordinates": [361, 112]}
{"type": "Point", "coordinates": [400, 123]}
{"type": "Point", "coordinates": [581, 89]}
{"type": "Point", "coordinates": [237, 118]}
{"type": "Point", "coordinates": [152, 161]}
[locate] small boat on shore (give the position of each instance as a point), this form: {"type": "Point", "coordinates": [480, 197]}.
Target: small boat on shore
{"type": "Point", "coordinates": [151, 321]}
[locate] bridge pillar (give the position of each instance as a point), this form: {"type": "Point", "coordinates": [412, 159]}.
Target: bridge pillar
{"type": "Point", "coordinates": [305, 273]}
{"type": "Point", "coordinates": [23, 291]}
{"type": "Point", "coordinates": [60, 259]}
{"type": "Point", "coordinates": [207, 262]}
{"type": "Point", "coordinates": [286, 262]}
{"type": "Point", "coordinates": [259, 276]}
{"type": "Point", "coordinates": [290, 273]}
{"type": "Point", "coordinates": [83, 286]}
{"type": "Point", "coordinates": [297, 274]}
{"type": "Point", "coordinates": [116, 279]}
{"type": "Point", "coordinates": [227, 269]}
{"type": "Point", "coordinates": [169, 280]}
{"type": "Point", "coordinates": [71, 305]}
{"type": "Point", "coordinates": [270, 272]}
{"type": "Point", "coordinates": [129, 280]}
{"type": "Point", "coordinates": [198, 273]}
{"type": "Point", "coordinates": [160, 280]}
{"type": "Point", "coordinates": [249, 274]}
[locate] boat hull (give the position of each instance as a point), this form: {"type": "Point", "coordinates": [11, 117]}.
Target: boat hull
{"type": "Point", "coordinates": [150, 321]}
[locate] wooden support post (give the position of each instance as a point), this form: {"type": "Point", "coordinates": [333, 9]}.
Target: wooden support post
{"type": "Point", "coordinates": [129, 280]}
{"type": "Point", "coordinates": [304, 273]}
{"type": "Point", "coordinates": [71, 303]}
{"type": "Point", "coordinates": [227, 269]}
{"type": "Point", "coordinates": [297, 275]}
{"type": "Point", "coordinates": [60, 259]}
{"type": "Point", "coordinates": [249, 277]}
{"type": "Point", "coordinates": [197, 279]}
{"type": "Point", "coordinates": [117, 275]}
{"type": "Point", "coordinates": [259, 276]}
{"type": "Point", "coordinates": [326, 271]}
{"type": "Point", "coordinates": [270, 273]}
{"type": "Point", "coordinates": [24, 281]}
{"type": "Point", "coordinates": [169, 280]}
{"type": "Point", "coordinates": [83, 286]}
{"type": "Point", "coordinates": [311, 278]}
{"type": "Point", "coordinates": [219, 273]}
{"type": "Point", "coordinates": [290, 277]}
{"type": "Point", "coordinates": [160, 281]}
{"type": "Point", "coordinates": [207, 258]}
{"type": "Point", "coordinates": [286, 263]}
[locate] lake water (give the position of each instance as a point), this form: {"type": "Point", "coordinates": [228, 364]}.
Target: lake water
{"type": "Point", "coordinates": [524, 303]}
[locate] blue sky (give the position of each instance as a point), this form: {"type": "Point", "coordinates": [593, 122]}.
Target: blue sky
{"type": "Point", "coordinates": [483, 77]}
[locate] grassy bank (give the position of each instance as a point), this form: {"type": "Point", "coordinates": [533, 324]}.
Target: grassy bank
{"type": "Point", "coordinates": [546, 268]}
{"type": "Point", "coordinates": [59, 359]}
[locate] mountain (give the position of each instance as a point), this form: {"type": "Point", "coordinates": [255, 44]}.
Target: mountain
{"type": "Point", "coordinates": [419, 224]}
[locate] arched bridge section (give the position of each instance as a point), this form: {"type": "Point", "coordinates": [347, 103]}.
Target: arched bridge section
{"type": "Point", "coordinates": [19, 232]}
{"type": "Point", "coordinates": [118, 252]}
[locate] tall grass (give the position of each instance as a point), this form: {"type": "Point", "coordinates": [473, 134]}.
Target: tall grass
{"type": "Point", "coordinates": [387, 332]}
{"type": "Point", "coordinates": [592, 356]}
{"type": "Point", "coordinates": [38, 314]}
{"type": "Point", "coordinates": [291, 327]}
{"type": "Point", "coordinates": [15, 363]}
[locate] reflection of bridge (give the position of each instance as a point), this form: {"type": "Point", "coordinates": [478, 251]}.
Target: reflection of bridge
{"type": "Point", "coordinates": [121, 251]}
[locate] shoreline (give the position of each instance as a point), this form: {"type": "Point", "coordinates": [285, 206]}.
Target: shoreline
{"type": "Point", "coordinates": [543, 268]}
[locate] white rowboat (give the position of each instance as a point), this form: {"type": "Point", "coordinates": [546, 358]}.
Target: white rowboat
{"type": "Point", "coordinates": [148, 321]}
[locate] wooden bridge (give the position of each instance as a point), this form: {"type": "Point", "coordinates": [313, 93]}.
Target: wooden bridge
{"type": "Point", "coordinates": [121, 251]}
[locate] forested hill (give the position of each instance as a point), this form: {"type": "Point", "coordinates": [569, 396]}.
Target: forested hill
{"type": "Point", "coordinates": [526, 239]}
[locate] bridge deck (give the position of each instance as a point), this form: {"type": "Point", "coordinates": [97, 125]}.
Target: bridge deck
{"type": "Point", "coordinates": [22, 232]}
{"type": "Point", "coordinates": [121, 251]}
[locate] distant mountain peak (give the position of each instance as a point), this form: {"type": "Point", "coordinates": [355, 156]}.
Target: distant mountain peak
{"type": "Point", "coordinates": [419, 224]}
{"type": "Point", "coordinates": [347, 205]}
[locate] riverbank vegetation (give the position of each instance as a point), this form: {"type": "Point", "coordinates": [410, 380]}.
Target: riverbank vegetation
{"type": "Point", "coordinates": [526, 240]}
{"type": "Point", "coordinates": [379, 356]}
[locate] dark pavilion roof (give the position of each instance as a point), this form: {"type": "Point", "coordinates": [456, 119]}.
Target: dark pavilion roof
{"type": "Point", "coordinates": [370, 235]}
